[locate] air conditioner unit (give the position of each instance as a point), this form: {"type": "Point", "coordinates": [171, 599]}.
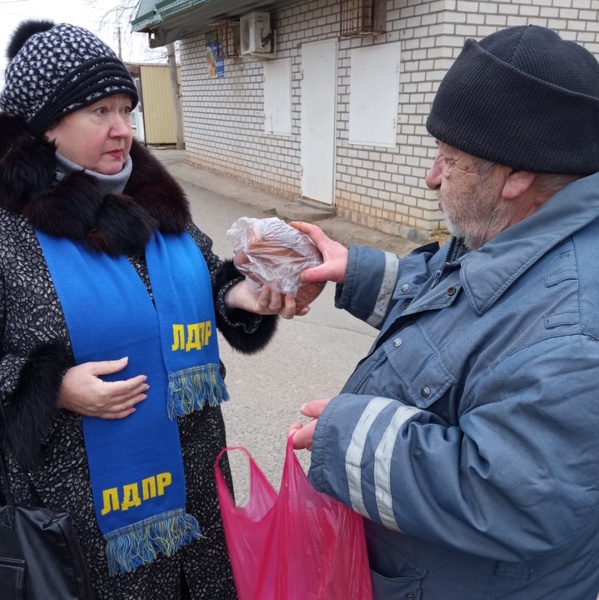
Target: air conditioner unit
{"type": "Point", "coordinates": [255, 35]}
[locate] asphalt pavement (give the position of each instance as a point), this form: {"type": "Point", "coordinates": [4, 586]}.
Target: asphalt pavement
{"type": "Point", "coordinates": [310, 357]}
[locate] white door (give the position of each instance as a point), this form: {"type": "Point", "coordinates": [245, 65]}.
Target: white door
{"type": "Point", "coordinates": [319, 85]}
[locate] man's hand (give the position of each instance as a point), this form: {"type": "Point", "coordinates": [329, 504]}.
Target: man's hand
{"type": "Point", "coordinates": [334, 255]}
{"type": "Point", "coordinates": [304, 434]}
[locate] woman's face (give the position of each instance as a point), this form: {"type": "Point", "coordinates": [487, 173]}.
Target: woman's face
{"type": "Point", "coordinates": [97, 137]}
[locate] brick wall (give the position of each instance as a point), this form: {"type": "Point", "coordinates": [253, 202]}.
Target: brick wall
{"type": "Point", "coordinates": [382, 188]}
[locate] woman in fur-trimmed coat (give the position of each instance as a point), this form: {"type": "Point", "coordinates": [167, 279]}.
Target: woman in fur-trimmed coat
{"type": "Point", "coordinates": [111, 209]}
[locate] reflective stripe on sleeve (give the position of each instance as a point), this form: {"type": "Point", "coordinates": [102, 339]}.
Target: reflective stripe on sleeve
{"type": "Point", "coordinates": [386, 290]}
{"type": "Point", "coordinates": [383, 458]}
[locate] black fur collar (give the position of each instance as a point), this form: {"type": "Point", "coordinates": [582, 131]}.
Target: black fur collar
{"type": "Point", "coordinates": [74, 208]}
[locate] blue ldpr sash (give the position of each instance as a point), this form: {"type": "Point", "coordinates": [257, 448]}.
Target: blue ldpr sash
{"type": "Point", "coordinates": [135, 463]}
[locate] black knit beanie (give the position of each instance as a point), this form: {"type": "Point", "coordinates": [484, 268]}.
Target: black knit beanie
{"type": "Point", "coordinates": [525, 98]}
{"type": "Point", "coordinates": [57, 69]}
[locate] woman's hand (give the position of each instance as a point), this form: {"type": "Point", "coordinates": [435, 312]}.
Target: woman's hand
{"type": "Point", "coordinates": [83, 392]}
{"type": "Point", "coordinates": [266, 302]}
{"type": "Point", "coordinates": [333, 253]}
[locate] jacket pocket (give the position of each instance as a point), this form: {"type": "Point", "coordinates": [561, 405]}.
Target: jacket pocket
{"type": "Point", "coordinates": [400, 588]}
{"type": "Point", "coordinates": [393, 574]}
{"type": "Point", "coordinates": [419, 367]}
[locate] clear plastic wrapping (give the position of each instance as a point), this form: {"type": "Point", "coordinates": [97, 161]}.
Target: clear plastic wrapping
{"type": "Point", "coordinates": [271, 252]}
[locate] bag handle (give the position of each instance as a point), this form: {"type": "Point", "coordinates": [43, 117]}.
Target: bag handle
{"type": "Point", "coordinates": [257, 481]}
{"type": "Point", "coordinates": [220, 478]}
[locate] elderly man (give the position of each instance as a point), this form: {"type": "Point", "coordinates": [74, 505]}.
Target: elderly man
{"type": "Point", "coordinates": [468, 438]}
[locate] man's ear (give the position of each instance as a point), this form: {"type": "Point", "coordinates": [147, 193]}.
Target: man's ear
{"type": "Point", "coordinates": [516, 184]}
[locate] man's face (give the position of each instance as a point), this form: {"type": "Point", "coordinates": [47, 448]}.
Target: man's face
{"type": "Point", "coordinates": [469, 195]}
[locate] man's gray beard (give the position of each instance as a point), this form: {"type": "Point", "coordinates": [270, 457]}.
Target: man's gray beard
{"type": "Point", "coordinates": [495, 224]}
{"type": "Point", "coordinates": [457, 232]}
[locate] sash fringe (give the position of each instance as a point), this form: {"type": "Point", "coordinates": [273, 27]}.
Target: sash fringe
{"type": "Point", "coordinates": [140, 543]}
{"type": "Point", "coordinates": [191, 388]}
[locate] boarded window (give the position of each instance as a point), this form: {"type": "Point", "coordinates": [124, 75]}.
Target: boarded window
{"type": "Point", "coordinates": [374, 95]}
{"type": "Point", "coordinates": [277, 97]}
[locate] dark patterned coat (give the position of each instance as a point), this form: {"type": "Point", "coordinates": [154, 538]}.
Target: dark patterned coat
{"type": "Point", "coordinates": [36, 351]}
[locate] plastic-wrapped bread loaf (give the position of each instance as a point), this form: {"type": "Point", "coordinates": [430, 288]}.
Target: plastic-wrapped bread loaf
{"type": "Point", "coordinates": [271, 252]}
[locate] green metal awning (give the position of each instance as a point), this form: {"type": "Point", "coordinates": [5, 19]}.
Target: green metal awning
{"type": "Point", "coordinates": [172, 7]}
{"type": "Point", "coordinates": [167, 21]}
{"type": "Point", "coordinates": [152, 12]}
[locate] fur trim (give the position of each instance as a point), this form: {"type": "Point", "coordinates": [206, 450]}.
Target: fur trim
{"type": "Point", "coordinates": [237, 336]}
{"type": "Point", "coordinates": [74, 208]}
{"type": "Point", "coordinates": [121, 227]}
{"type": "Point", "coordinates": [27, 165]}
{"type": "Point", "coordinates": [154, 188]}
{"type": "Point", "coordinates": [32, 407]}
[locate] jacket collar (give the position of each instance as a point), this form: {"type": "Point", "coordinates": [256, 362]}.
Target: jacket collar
{"type": "Point", "coordinates": [488, 272]}
{"type": "Point", "coordinates": [75, 207]}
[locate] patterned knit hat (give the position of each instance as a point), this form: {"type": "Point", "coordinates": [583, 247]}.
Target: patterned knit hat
{"type": "Point", "coordinates": [57, 69]}
{"type": "Point", "coordinates": [525, 98]}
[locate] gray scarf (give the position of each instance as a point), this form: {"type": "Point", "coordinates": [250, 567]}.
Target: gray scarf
{"type": "Point", "coordinates": [108, 184]}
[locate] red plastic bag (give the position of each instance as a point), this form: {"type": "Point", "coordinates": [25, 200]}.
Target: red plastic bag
{"type": "Point", "coordinates": [297, 545]}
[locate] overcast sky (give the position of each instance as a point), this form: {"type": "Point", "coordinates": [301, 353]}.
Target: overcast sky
{"type": "Point", "coordinates": [95, 15]}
